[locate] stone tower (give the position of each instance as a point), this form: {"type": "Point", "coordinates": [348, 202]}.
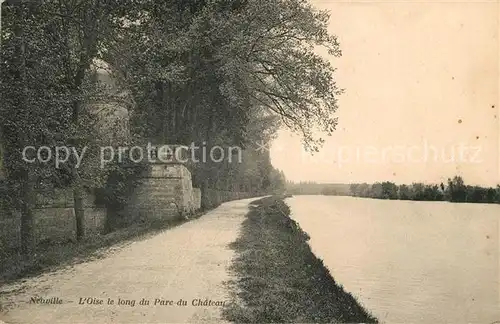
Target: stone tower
{"type": "Point", "coordinates": [112, 106]}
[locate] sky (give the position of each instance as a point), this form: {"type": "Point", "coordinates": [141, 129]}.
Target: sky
{"type": "Point", "coordinates": [421, 98]}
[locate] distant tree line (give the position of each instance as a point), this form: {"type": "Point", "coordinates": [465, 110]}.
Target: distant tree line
{"type": "Point", "coordinates": [312, 188]}
{"type": "Point", "coordinates": [455, 191]}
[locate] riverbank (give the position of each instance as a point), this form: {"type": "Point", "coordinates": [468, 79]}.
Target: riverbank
{"type": "Point", "coordinates": [280, 279]}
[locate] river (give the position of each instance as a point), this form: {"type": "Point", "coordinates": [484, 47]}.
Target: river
{"type": "Point", "coordinates": [406, 261]}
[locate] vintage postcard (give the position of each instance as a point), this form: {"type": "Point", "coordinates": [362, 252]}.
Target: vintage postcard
{"type": "Point", "coordinates": [249, 161]}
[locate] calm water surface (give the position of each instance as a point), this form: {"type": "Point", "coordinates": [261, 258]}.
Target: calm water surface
{"type": "Point", "coordinates": [409, 262]}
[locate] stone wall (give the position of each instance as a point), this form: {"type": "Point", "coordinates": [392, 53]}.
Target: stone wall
{"type": "Point", "coordinates": [196, 198]}
{"type": "Point", "coordinates": [165, 192]}
{"type": "Point", "coordinates": [212, 198]}
{"type": "Point", "coordinates": [54, 219]}
{"type": "Point", "coordinates": [10, 236]}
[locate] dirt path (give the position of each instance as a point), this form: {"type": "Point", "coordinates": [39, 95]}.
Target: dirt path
{"type": "Point", "coordinates": [189, 262]}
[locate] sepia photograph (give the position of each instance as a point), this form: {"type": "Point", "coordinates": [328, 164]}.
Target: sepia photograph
{"type": "Point", "coordinates": [249, 161]}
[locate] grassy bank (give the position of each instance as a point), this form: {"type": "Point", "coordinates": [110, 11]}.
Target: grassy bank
{"type": "Point", "coordinates": [280, 279]}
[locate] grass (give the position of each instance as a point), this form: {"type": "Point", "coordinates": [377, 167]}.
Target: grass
{"type": "Point", "coordinates": [280, 280]}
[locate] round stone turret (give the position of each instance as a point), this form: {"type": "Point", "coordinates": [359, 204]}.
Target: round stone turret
{"type": "Point", "coordinates": [111, 106]}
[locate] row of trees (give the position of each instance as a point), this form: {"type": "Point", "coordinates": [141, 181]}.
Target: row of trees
{"type": "Point", "coordinates": [313, 188]}
{"type": "Point", "coordinates": [217, 72]}
{"type": "Point", "coordinates": [455, 191]}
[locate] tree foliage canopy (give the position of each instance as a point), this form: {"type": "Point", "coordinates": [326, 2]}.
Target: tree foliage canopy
{"type": "Point", "coordinates": [218, 72]}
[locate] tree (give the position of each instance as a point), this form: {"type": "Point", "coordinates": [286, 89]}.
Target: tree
{"type": "Point", "coordinates": [364, 190]}
{"type": "Point", "coordinates": [216, 72]}
{"type": "Point", "coordinates": [432, 192]}
{"type": "Point", "coordinates": [34, 107]}
{"type": "Point", "coordinates": [418, 191]}
{"type": "Point", "coordinates": [457, 191]}
{"type": "Point", "coordinates": [276, 66]}
{"type": "Point", "coordinates": [226, 73]}
{"type": "Point", "coordinates": [389, 190]}
{"type": "Point", "coordinates": [59, 42]}
{"type": "Point", "coordinates": [236, 59]}
{"type": "Point", "coordinates": [376, 190]}
{"type": "Point", "coordinates": [491, 195]}
{"type": "Point", "coordinates": [354, 189]}
{"type": "Point", "coordinates": [404, 192]}
{"type": "Point", "coordinates": [24, 174]}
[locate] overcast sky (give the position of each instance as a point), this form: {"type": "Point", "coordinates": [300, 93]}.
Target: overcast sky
{"type": "Point", "coordinates": [421, 82]}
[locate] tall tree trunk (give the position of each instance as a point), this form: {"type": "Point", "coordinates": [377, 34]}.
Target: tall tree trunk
{"type": "Point", "coordinates": [88, 51]}
{"type": "Point", "coordinates": [26, 174]}
{"type": "Point", "coordinates": [27, 217]}
{"type": "Point", "coordinates": [79, 211]}
{"type": "Point", "coordinates": [77, 181]}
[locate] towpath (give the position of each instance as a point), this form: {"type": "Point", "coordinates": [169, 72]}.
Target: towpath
{"type": "Point", "coordinates": [189, 263]}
